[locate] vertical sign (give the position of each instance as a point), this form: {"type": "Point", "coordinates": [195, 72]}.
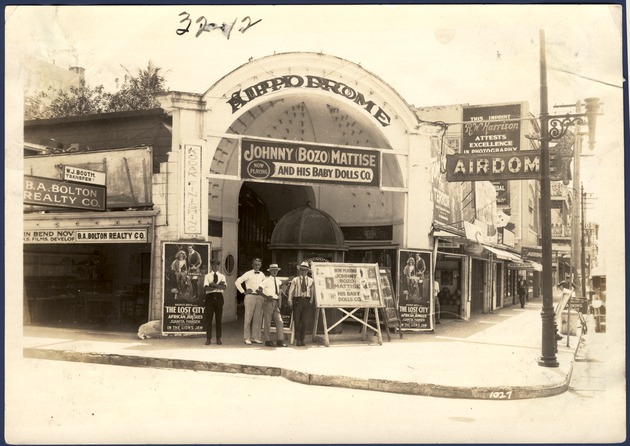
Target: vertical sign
{"type": "Point", "coordinates": [447, 197]}
{"type": "Point", "coordinates": [482, 136]}
{"type": "Point", "coordinates": [415, 290]}
{"type": "Point", "coordinates": [185, 266]}
{"type": "Point", "coordinates": [192, 191]}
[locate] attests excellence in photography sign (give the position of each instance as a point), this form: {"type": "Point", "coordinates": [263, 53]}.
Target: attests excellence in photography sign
{"type": "Point", "coordinates": [309, 163]}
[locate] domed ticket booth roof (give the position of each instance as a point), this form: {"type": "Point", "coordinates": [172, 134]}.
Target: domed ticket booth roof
{"type": "Point", "coordinates": [307, 228]}
{"type": "Point", "coordinates": [308, 234]}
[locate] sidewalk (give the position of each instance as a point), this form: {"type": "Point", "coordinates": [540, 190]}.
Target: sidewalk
{"type": "Point", "coordinates": [492, 356]}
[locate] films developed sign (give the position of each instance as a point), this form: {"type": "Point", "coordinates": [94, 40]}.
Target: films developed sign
{"type": "Point", "coordinates": [347, 285]}
{"type": "Point", "coordinates": [185, 266]}
{"type": "Point", "coordinates": [309, 163]}
{"type": "Point", "coordinates": [65, 194]}
{"type": "Point", "coordinates": [415, 290]}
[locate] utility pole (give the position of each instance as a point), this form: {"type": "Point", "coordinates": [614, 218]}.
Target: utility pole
{"type": "Point", "coordinates": [549, 346]}
{"type": "Point", "coordinates": [583, 249]}
{"type": "Point", "coordinates": [559, 126]}
{"type": "Point", "coordinates": [576, 258]}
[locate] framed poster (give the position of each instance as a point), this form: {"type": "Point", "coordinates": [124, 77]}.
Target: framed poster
{"type": "Point", "coordinates": [349, 285]}
{"type": "Point", "coordinates": [184, 266]}
{"type": "Point", "coordinates": [415, 293]}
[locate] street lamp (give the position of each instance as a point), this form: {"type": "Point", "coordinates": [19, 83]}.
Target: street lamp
{"type": "Point", "coordinates": [552, 128]}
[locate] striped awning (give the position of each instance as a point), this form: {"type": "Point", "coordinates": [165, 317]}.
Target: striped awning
{"type": "Point", "coordinates": [503, 254]}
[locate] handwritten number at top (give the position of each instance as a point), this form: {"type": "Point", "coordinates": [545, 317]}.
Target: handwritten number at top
{"type": "Point", "coordinates": [204, 26]}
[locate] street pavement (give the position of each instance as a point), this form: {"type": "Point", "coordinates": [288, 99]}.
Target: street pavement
{"type": "Point", "coordinates": [492, 356]}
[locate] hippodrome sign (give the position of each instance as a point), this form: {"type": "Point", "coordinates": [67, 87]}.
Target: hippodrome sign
{"type": "Point", "coordinates": [521, 165]}
{"type": "Point", "coordinates": [309, 163]}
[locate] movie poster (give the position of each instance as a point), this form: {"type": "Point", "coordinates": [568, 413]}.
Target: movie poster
{"type": "Point", "coordinates": [185, 266]}
{"type": "Point", "coordinates": [415, 293]}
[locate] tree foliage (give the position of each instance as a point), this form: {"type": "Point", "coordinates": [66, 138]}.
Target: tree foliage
{"type": "Point", "coordinates": [137, 92]}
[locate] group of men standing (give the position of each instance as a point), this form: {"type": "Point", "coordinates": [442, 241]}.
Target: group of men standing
{"type": "Point", "coordinates": [263, 300]}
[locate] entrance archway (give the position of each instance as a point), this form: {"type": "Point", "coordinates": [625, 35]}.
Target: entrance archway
{"type": "Point", "coordinates": [260, 206]}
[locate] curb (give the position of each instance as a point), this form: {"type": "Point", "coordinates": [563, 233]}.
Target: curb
{"type": "Point", "coordinates": [378, 385]}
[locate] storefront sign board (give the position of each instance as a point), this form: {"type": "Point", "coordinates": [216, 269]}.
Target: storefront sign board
{"type": "Point", "coordinates": [129, 235]}
{"type": "Point", "coordinates": [308, 163]}
{"type": "Point", "coordinates": [82, 175]}
{"type": "Point", "coordinates": [64, 194]}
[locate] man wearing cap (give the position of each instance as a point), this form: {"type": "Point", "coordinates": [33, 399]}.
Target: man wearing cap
{"type": "Point", "coordinates": [301, 294]}
{"type": "Point", "coordinates": [214, 284]}
{"type": "Point", "coordinates": [249, 284]}
{"type": "Point", "coordinates": [271, 307]}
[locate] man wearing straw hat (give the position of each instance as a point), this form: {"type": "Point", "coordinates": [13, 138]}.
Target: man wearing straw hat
{"type": "Point", "coordinates": [301, 294]}
{"type": "Point", "coordinates": [270, 290]}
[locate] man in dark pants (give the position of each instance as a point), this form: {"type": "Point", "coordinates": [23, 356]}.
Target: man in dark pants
{"type": "Point", "coordinates": [301, 294]}
{"type": "Point", "coordinates": [214, 285]}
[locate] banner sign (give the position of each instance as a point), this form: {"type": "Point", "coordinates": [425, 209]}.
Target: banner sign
{"type": "Point", "coordinates": [65, 194]}
{"type": "Point", "coordinates": [309, 163]}
{"type": "Point", "coordinates": [523, 165]}
{"type": "Point", "coordinates": [447, 197]}
{"type": "Point", "coordinates": [347, 285]}
{"type": "Point", "coordinates": [415, 287]}
{"type": "Point", "coordinates": [185, 266]}
{"type": "Point", "coordinates": [84, 175]}
{"type": "Point", "coordinates": [87, 236]}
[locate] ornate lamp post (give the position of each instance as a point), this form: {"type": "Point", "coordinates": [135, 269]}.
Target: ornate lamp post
{"type": "Point", "coordinates": [552, 128]}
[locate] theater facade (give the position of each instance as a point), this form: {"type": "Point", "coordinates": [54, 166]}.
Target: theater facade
{"type": "Point", "coordinates": [304, 157]}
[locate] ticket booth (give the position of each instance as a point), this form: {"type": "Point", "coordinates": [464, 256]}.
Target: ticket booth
{"type": "Point", "coordinates": [307, 234]}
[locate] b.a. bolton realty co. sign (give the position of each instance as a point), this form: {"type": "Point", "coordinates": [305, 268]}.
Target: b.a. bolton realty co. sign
{"type": "Point", "coordinates": [242, 97]}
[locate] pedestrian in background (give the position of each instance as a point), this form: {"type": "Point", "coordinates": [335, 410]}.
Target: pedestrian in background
{"type": "Point", "coordinates": [252, 280]}
{"type": "Point", "coordinates": [301, 295]}
{"type": "Point", "coordinates": [436, 299]}
{"type": "Point", "coordinates": [522, 290]}
{"type": "Point", "coordinates": [271, 307]}
{"type": "Point", "coordinates": [214, 284]}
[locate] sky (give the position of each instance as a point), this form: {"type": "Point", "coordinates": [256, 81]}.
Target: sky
{"type": "Point", "coordinates": [430, 54]}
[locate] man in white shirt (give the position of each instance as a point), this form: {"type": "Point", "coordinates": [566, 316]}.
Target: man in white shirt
{"type": "Point", "coordinates": [271, 307]}
{"type": "Point", "coordinates": [301, 294]}
{"type": "Point", "coordinates": [249, 284]}
{"type": "Point", "coordinates": [214, 284]}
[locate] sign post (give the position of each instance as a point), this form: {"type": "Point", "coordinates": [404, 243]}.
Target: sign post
{"type": "Point", "coordinates": [347, 287]}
